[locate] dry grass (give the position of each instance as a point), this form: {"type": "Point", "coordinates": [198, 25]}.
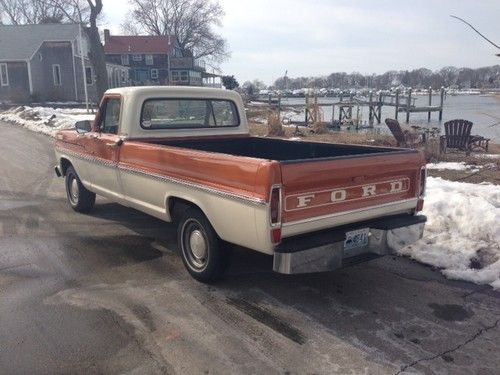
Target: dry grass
{"type": "Point", "coordinates": [489, 169]}
{"type": "Point", "coordinates": [261, 130]}
{"type": "Point", "coordinates": [274, 126]}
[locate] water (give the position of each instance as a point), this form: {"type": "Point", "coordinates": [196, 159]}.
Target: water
{"type": "Point", "coordinates": [483, 111]}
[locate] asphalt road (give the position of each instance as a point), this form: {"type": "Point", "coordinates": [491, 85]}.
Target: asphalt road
{"type": "Point", "coordinates": [107, 293]}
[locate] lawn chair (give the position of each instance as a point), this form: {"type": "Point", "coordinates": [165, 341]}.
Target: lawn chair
{"type": "Point", "coordinates": [404, 138]}
{"type": "Point", "coordinates": [457, 137]}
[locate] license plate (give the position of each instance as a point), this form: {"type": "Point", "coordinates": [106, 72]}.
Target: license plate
{"type": "Point", "coordinates": [356, 238]}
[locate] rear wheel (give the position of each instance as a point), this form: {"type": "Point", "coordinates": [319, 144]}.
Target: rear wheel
{"type": "Point", "coordinates": [79, 198]}
{"type": "Point", "coordinates": [203, 253]}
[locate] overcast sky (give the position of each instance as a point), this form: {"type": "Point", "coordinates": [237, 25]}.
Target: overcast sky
{"type": "Point", "coordinates": [318, 37]}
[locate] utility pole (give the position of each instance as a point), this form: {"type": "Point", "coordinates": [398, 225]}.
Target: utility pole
{"type": "Point", "coordinates": [83, 70]}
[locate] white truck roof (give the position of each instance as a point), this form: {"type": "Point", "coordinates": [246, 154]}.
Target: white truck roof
{"type": "Point", "coordinates": [134, 97]}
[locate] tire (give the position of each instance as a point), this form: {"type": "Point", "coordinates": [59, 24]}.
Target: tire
{"type": "Point", "coordinates": [79, 198]}
{"type": "Point", "coordinates": [203, 253]}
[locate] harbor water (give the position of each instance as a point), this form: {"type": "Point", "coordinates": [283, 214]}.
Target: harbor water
{"type": "Point", "coordinates": [482, 110]}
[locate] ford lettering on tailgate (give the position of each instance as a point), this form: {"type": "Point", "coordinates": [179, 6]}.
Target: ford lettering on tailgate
{"type": "Point", "coordinates": [348, 194]}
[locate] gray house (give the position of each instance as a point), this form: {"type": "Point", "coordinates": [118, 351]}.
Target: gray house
{"type": "Point", "coordinates": [43, 63]}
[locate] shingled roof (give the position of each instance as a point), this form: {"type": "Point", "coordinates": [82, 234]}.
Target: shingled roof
{"type": "Point", "coordinates": [20, 42]}
{"type": "Point", "coordinates": [151, 44]}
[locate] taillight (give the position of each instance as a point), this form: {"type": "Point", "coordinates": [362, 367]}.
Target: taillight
{"type": "Point", "coordinates": [423, 178]}
{"type": "Point", "coordinates": [275, 205]}
{"type": "Point", "coordinates": [275, 213]}
{"type": "Point", "coordinates": [421, 190]}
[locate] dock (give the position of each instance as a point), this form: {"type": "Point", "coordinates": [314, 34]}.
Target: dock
{"type": "Point", "coordinates": [346, 106]}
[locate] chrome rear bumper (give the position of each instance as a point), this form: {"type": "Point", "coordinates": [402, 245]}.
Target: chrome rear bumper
{"type": "Point", "coordinates": [324, 251]}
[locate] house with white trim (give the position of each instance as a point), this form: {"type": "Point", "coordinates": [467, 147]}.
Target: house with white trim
{"type": "Point", "coordinates": [45, 63]}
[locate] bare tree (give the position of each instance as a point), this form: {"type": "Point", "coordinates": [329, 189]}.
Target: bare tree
{"type": "Point", "coordinates": [96, 53]}
{"type": "Point", "coordinates": [192, 22]}
{"type": "Point", "coordinates": [19, 12]}
{"type": "Point", "coordinates": [76, 11]}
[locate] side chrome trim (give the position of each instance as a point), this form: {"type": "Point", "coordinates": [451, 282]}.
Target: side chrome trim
{"type": "Point", "coordinates": [220, 193]}
{"type": "Point", "coordinates": [347, 217]}
{"type": "Point", "coordinates": [94, 159]}
{"type": "Point", "coordinates": [138, 171]}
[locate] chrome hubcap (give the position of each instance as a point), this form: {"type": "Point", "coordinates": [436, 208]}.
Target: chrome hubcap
{"type": "Point", "coordinates": [73, 190]}
{"type": "Point", "coordinates": [198, 245]}
{"type": "Point", "coordinates": [195, 246]}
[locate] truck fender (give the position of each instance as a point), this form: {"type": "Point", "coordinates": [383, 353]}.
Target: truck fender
{"type": "Point", "coordinates": [176, 204]}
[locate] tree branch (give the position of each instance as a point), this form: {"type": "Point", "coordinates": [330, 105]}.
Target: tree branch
{"type": "Point", "coordinates": [477, 31]}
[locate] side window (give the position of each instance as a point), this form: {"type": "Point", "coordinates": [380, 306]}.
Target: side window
{"type": "Point", "coordinates": [110, 119]}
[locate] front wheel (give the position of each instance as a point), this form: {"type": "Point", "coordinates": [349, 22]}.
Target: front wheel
{"type": "Point", "coordinates": [79, 198]}
{"type": "Point", "coordinates": [202, 251]}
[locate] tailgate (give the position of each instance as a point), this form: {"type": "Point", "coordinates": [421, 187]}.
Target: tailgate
{"type": "Point", "coordinates": [318, 194]}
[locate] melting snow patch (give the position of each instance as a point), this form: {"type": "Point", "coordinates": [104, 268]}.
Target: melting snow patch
{"type": "Point", "coordinates": [453, 166]}
{"type": "Point", "coordinates": [45, 120]}
{"type": "Point", "coordinates": [462, 235]}
{"type": "Point", "coordinates": [487, 156]}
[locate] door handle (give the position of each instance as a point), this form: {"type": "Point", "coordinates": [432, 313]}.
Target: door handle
{"type": "Point", "coordinates": [116, 143]}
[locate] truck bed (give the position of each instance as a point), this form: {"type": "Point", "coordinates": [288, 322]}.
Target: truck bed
{"type": "Point", "coordinates": [279, 149]}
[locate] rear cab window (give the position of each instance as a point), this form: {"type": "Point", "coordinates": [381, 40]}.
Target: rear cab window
{"type": "Point", "coordinates": [188, 113]}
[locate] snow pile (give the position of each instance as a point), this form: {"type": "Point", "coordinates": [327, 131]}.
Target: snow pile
{"type": "Point", "coordinates": [487, 156]}
{"type": "Point", "coordinates": [452, 166]}
{"type": "Point", "coordinates": [462, 235]}
{"type": "Point", "coordinates": [45, 120]}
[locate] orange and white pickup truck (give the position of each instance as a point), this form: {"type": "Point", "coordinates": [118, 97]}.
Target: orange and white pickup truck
{"type": "Point", "coordinates": [185, 155]}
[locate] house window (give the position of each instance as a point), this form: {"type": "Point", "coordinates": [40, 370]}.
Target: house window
{"type": "Point", "coordinates": [123, 76]}
{"type": "Point", "coordinates": [88, 75]}
{"type": "Point", "coordinates": [137, 57]}
{"type": "Point", "coordinates": [4, 75]}
{"type": "Point", "coordinates": [149, 59]}
{"type": "Point", "coordinates": [154, 73]}
{"type": "Point", "coordinates": [56, 74]}
{"type": "Point", "coordinates": [184, 76]}
{"type": "Point", "coordinates": [125, 60]}
{"type": "Point", "coordinates": [175, 76]}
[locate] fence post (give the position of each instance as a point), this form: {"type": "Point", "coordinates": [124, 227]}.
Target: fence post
{"type": "Point", "coordinates": [408, 106]}
{"type": "Point", "coordinates": [441, 106]}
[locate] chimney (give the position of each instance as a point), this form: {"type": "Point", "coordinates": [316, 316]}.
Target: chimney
{"type": "Point", "coordinates": [106, 35]}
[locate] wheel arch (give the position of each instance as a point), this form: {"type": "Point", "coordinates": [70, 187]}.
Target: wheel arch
{"type": "Point", "coordinates": [176, 205]}
{"type": "Point", "coordinates": [65, 163]}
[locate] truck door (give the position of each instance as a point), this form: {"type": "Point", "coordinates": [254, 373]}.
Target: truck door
{"type": "Point", "coordinates": [103, 145]}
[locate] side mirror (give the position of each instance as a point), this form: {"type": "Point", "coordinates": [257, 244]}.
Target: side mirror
{"type": "Point", "coordinates": [83, 126]}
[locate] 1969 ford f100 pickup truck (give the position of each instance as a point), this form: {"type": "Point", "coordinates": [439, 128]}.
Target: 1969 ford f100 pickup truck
{"type": "Point", "coordinates": [185, 154]}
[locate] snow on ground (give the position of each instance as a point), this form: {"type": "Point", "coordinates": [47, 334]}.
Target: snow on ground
{"type": "Point", "coordinates": [454, 166]}
{"type": "Point", "coordinates": [462, 235]}
{"type": "Point", "coordinates": [44, 119]}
